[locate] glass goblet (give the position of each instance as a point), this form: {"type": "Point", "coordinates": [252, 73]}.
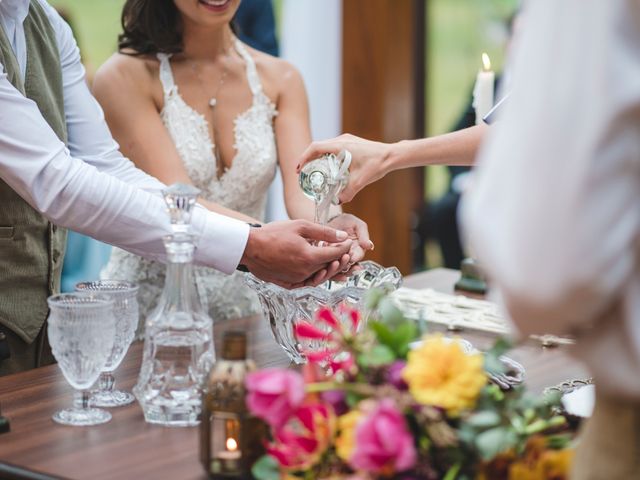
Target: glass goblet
{"type": "Point", "coordinates": [125, 309]}
{"type": "Point", "coordinates": [81, 329]}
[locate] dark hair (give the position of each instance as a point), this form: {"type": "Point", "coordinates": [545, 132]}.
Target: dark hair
{"type": "Point", "coordinates": [150, 27]}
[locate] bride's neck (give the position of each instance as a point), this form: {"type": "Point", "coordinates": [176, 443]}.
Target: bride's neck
{"type": "Point", "coordinates": [206, 43]}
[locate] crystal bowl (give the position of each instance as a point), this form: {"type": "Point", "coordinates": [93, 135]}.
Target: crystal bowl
{"type": "Point", "coordinates": [285, 307]}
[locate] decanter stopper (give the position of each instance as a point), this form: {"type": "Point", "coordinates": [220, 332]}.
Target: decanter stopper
{"type": "Point", "coordinates": [180, 199]}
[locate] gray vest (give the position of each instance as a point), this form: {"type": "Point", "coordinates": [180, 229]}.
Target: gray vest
{"type": "Point", "coordinates": [31, 248]}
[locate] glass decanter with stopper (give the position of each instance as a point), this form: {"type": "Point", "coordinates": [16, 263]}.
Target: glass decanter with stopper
{"type": "Point", "coordinates": [323, 179]}
{"type": "Point", "coordinates": [178, 345]}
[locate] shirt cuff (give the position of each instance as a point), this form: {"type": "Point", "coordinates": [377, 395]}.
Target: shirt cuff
{"type": "Point", "coordinates": [221, 240]}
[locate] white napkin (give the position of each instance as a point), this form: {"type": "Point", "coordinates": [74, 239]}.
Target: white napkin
{"type": "Point", "coordinates": [581, 401]}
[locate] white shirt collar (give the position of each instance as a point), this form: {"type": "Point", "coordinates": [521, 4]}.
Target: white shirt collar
{"type": "Point", "coordinates": [16, 10]}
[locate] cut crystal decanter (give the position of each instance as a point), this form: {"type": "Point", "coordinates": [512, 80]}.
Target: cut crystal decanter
{"type": "Point", "coordinates": [178, 345]}
{"type": "Point", "coordinates": [322, 180]}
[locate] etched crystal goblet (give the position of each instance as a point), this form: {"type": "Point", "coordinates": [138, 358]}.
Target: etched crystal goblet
{"type": "Point", "coordinates": [125, 309]}
{"type": "Point", "coordinates": [81, 330]}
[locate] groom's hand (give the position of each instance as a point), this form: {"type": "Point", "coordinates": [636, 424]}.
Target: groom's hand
{"type": "Point", "coordinates": [281, 252]}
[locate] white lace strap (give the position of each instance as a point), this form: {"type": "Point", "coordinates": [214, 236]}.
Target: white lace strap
{"type": "Point", "coordinates": [252, 71]}
{"type": "Point", "coordinates": [166, 75]}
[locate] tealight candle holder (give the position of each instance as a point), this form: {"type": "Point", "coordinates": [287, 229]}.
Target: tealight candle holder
{"type": "Point", "coordinates": [230, 438]}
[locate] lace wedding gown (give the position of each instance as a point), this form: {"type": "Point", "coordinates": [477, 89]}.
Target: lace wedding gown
{"type": "Point", "coordinates": [242, 187]}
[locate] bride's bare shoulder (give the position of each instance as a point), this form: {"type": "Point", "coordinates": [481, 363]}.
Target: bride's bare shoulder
{"type": "Point", "coordinates": [276, 73]}
{"type": "Point", "coordinates": [133, 73]}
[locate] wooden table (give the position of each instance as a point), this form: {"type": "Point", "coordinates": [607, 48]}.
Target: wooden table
{"type": "Point", "coordinates": [127, 447]}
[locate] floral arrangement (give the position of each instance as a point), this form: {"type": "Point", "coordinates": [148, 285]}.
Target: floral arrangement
{"type": "Point", "coordinates": [369, 406]}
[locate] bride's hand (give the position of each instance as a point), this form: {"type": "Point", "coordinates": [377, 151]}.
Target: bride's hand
{"type": "Point", "coordinates": [370, 160]}
{"type": "Point", "coordinates": [359, 233]}
{"type": "Point", "coordinates": [357, 230]}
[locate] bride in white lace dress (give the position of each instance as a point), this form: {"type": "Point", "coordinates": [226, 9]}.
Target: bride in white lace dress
{"type": "Point", "coordinates": [190, 103]}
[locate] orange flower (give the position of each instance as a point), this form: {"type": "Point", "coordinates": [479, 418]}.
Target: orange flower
{"type": "Point", "coordinates": [540, 463]}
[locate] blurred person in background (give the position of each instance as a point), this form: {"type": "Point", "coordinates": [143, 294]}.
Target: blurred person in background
{"type": "Point", "coordinates": [554, 211]}
{"type": "Point", "coordinates": [189, 102]}
{"type": "Point", "coordinates": [256, 25]}
{"type": "Point", "coordinates": [439, 217]}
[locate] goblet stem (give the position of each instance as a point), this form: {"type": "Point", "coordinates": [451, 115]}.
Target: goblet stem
{"type": "Point", "coordinates": [81, 400]}
{"type": "Point", "coordinates": [106, 382]}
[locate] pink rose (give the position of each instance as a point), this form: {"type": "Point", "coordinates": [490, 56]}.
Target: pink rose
{"type": "Point", "coordinates": [302, 441]}
{"type": "Point", "coordinates": [383, 443]}
{"type": "Point", "coordinates": [274, 394]}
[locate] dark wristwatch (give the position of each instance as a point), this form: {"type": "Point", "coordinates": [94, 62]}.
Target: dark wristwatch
{"type": "Point", "coordinates": [241, 267]}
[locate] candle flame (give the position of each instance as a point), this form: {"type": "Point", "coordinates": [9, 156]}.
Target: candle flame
{"type": "Point", "coordinates": [486, 62]}
{"type": "Point", "coordinates": [232, 445]}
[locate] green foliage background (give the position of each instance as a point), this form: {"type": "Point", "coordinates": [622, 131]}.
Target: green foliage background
{"type": "Point", "coordinates": [97, 25]}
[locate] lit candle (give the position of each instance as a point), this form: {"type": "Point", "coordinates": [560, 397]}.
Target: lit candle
{"type": "Point", "coordinates": [483, 92]}
{"type": "Point", "coordinates": [230, 458]}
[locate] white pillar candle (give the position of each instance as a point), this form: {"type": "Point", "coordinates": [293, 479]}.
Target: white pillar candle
{"type": "Point", "coordinates": [483, 92]}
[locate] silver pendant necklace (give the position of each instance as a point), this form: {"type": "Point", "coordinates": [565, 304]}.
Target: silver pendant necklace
{"type": "Point", "coordinates": [212, 103]}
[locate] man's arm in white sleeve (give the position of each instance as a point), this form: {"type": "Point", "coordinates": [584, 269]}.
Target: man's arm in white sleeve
{"type": "Point", "coordinates": [554, 212]}
{"type": "Point", "coordinates": [73, 194]}
{"type": "Point", "coordinates": [89, 138]}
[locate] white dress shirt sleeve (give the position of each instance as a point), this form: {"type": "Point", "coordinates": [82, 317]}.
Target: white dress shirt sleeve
{"type": "Point", "coordinates": [554, 213]}
{"type": "Point", "coordinates": [89, 138]}
{"type": "Point", "coordinates": [74, 194]}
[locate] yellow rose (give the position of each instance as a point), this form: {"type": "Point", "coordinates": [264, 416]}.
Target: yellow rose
{"type": "Point", "coordinates": [346, 438]}
{"type": "Point", "coordinates": [441, 374]}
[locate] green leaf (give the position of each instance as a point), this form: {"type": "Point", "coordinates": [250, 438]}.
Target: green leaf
{"type": "Point", "coordinates": [494, 441]}
{"type": "Point", "coordinates": [379, 355]}
{"type": "Point", "coordinates": [266, 468]}
{"type": "Point", "coordinates": [553, 398]}
{"type": "Point", "coordinates": [452, 473]}
{"type": "Point", "coordinates": [397, 338]}
{"type": "Point", "coordinates": [373, 298]}
{"type": "Point", "coordinates": [501, 346]}
{"type": "Point", "coordinates": [492, 364]}
{"type": "Point", "coordinates": [390, 314]}
{"type": "Point", "coordinates": [467, 434]}
{"type": "Point", "coordinates": [406, 333]}
{"type": "Point", "coordinates": [383, 332]}
{"type": "Point", "coordinates": [558, 442]}
{"type": "Point", "coordinates": [484, 419]}
{"type": "Point", "coordinates": [353, 399]}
